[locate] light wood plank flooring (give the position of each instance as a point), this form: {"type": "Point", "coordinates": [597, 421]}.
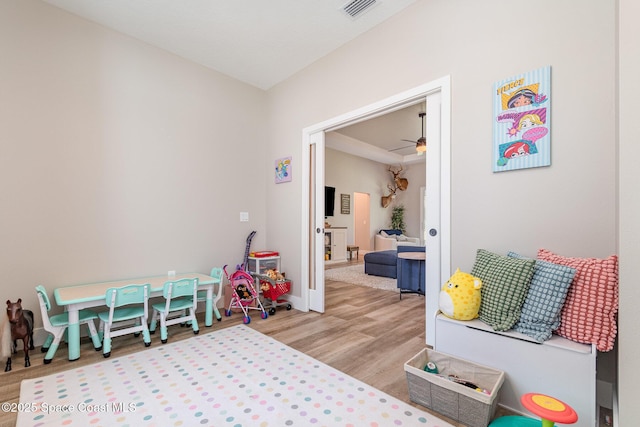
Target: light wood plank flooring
{"type": "Point", "coordinates": [366, 333]}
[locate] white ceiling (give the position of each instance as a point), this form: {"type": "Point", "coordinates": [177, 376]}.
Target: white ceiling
{"type": "Point", "coordinates": [262, 43]}
{"type": "Point", "coordinates": [390, 138]}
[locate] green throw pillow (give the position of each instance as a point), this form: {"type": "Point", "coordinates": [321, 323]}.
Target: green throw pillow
{"type": "Point", "coordinates": [505, 284]}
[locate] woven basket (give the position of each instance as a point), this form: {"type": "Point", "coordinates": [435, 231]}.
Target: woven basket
{"type": "Point", "coordinates": [458, 402]}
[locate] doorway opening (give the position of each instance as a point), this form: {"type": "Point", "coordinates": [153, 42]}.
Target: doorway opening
{"type": "Point", "coordinates": [436, 94]}
{"type": "Point", "coordinates": [361, 221]}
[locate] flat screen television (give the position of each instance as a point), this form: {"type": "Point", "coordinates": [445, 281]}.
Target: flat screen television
{"type": "Point", "coordinates": [329, 200]}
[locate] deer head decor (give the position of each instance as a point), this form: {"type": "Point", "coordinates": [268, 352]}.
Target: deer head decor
{"type": "Point", "coordinates": [401, 183]}
{"type": "Point", "coordinates": [398, 184]}
{"type": "Point", "coordinates": [386, 200]}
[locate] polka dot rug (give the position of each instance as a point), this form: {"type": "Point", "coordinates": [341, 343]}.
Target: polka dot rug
{"type": "Point", "coordinates": [231, 377]}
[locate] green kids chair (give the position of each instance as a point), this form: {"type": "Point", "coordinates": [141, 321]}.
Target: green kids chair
{"type": "Point", "coordinates": [56, 325]}
{"type": "Point", "coordinates": [125, 303]}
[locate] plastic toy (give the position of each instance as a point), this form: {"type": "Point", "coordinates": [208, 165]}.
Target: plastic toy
{"type": "Point", "coordinates": [431, 368]}
{"type": "Point", "coordinates": [243, 295]}
{"type": "Point", "coordinates": [460, 296]}
{"type": "Point", "coordinates": [273, 285]}
{"type": "Point", "coordinates": [549, 409]}
{"type": "Point", "coordinates": [17, 325]}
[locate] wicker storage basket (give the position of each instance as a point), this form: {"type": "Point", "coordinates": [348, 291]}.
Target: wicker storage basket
{"type": "Point", "coordinates": [456, 401]}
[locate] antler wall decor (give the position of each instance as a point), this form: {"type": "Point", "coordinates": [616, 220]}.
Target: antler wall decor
{"type": "Point", "coordinates": [401, 183]}
{"type": "Point", "coordinates": [386, 200]}
{"type": "Point", "coordinates": [398, 184]}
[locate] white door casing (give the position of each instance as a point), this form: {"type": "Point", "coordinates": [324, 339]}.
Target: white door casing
{"type": "Point", "coordinates": [438, 204]}
{"type": "Point", "coordinates": [437, 95]}
{"type": "Point", "coordinates": [316, 274]}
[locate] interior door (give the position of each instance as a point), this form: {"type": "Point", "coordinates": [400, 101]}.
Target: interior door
{"type": "Point", "coordinates": [316, 222]}
{"type": "Point", "coordinates": [436, 209]}
{"type": "Point", "coordinates": [362, 227]}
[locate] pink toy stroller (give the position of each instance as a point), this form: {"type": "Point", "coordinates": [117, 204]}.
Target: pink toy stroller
{"type": "Point", "coordinates": [243, 295]}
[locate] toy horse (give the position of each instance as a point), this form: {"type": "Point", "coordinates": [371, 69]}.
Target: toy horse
{"type": "Point", "coordinates": [20, 325]}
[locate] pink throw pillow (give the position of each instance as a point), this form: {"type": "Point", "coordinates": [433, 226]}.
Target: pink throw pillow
{"type": "Point", "coordinates": [589, 312]}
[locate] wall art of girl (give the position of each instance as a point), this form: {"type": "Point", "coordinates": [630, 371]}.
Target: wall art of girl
{"type": "Point", "coordinates": [525, 122]}
{"type": "Point", "coordinates": [524, 97]}
{"type": "Point", "coordinates": [521, 98]}
{"type": "Point", "coordinates": [511, 150]}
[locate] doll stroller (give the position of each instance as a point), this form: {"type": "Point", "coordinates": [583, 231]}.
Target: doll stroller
{"type": "Point", "coordinates": [243, 295]}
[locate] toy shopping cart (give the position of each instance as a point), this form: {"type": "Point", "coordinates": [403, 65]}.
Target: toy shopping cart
{"type": "Point", "coordinates": [272, 290]}
{"type": "Point", "coordinates": [243, 295]}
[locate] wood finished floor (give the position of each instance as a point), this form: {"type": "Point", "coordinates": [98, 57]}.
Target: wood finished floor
{"type": "Point", "coordinates": [366, 333]}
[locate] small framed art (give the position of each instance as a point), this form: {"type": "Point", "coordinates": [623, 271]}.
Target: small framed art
{"type": "Point", "coordinates": [345, 204]}
{"type": "Point", "coordinates": [283, 170]}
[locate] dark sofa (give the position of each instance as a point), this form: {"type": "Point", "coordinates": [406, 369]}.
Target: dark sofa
{"type": "Point", "coordinates": [381, 263]}
{"type": "Point", "coordinates": [387, 264]}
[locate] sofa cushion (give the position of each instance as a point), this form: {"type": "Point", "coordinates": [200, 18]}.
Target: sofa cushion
{"type": "Point", "coordinates": [505, 283]}
{"type": "Point", "coordinates": [589, 312]}
{"type": "Point", "coordinates": [547, 293]}
{"type": "Point", "coordinates": [381, 263]}
{"type": "Point", "coordinates": [391, 232]}
{"type": "Point", "coordinates": [381, 257]}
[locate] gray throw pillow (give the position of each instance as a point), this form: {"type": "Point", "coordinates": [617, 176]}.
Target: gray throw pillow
{"type": "Point", "coordinates": [541, 309]}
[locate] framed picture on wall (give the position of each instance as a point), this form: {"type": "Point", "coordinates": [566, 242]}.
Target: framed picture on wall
{"type": "Point", "coordinates": [345, 204]}
{"type": "Point", "coordinates": [283, 170]}
{"type": "Point", "coordinates": [522, 121]}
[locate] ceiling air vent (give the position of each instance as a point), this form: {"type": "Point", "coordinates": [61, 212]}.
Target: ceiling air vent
{"type": "Point", "coordinates": [356, 8]}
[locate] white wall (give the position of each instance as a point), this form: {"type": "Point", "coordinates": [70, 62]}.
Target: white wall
{"type": "Point", "coordinates": [118, 160]}
{"type": "Point", "coordinates": [568, 207]}
{"type": "Point", "coordinates": [93, 126]}
{"type": "Point", "coordinates": [349, 174]}
{"type": "Point", "coordinates": [629, 226]}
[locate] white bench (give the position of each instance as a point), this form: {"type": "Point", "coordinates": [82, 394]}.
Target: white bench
{"type": "Point", "coordinates": [558, 367]}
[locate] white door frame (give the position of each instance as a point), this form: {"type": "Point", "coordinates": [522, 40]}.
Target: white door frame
{"type": "Point", "coordinates": [437, 166]}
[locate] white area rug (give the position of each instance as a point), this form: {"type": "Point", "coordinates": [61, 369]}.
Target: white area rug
{"type": "Point", "coordinates": [234, 377]}
{"type": "Point", "coordinates": [355, 274]}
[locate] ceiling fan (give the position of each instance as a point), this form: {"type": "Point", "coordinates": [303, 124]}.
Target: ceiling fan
{"type": "Point", "coordinates": [421, 143]}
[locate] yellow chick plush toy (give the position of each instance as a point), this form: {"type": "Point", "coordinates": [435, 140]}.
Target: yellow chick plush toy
{"type": "Point", "coordinates": [460, 296]}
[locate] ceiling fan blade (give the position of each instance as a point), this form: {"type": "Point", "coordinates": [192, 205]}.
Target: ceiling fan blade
{"type": "Point", "coordinates": [408, 140]}
{"type": "Point", "coordinates": [402, 148]}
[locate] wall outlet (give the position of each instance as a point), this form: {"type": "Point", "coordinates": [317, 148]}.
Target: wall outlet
{"type": "Point", "coordinates": [171, 273]}
{"type": "Point", "coordinates": [244, 216]}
